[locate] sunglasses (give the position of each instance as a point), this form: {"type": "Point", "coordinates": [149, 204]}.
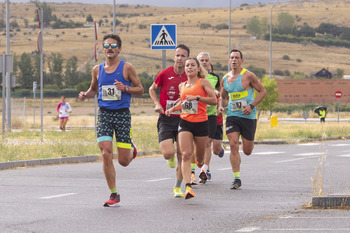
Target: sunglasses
{"type": "Point", "coordinates": [114, 45]}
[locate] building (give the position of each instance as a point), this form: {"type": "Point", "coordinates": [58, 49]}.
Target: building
{"type": "Point", "coordinates": [318, 91]}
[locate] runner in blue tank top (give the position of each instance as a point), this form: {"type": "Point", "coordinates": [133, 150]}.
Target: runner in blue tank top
{"type": "Point", "coordinates": [112, 81]}
{"type": "Point", "coordinates": [239, 85]}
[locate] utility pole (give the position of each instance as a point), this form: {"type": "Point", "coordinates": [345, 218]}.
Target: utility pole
{"type": "Point", "coordinates": [271, 38]}
{"type": "Point", "coordinates": [8, 81]}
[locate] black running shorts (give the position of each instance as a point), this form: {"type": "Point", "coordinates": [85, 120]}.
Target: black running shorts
{"type": "Point", "coordinates": [213, 121]}
{"type": "Point", "coordinates": [167, 127]}
{"type": "Point", "coordinates": [245, 126]}
{"type": "Point", "coordinates": [198, 129]}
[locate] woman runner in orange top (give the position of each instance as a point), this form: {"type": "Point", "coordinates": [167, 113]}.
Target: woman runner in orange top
{"type": "Point", "coordinates": [195, 94]}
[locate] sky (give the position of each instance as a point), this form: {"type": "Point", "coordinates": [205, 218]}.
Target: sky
{"type": "Point", "coordinates": [169, 3]}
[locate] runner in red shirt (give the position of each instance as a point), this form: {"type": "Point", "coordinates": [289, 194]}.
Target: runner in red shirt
{"type": "Point", "coordinates": [168, 81]}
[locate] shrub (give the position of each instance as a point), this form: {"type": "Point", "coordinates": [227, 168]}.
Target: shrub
{"type": "Point", "coordinates": [222, 26]}
{"type": "Point", "coordinates": [286, 57]}
{"type": "Point", "coordinates": [278, 72]}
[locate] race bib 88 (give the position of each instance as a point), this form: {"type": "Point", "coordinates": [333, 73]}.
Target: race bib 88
{"type": "Point", "coordinates": [190, 107]}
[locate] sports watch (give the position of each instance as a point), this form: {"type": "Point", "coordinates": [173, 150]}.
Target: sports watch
{"type": "Point", "coordinates": [198, 97]}
{"type": "Point", "coordinates": [252, 106]}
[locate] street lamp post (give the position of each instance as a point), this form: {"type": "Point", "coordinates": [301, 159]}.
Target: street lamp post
{"type": "Point", "coordinates": [113, 16]}
{"type": "Point", "coordinates": [229, 37]}
{"type": "Point", "coordinates": [271, 37]}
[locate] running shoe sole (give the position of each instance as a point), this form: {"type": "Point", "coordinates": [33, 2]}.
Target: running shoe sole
{"type": "Point", "coordinates": [203, 177]}
{"type": "Point", "coordinates": [236, 184]}
{"type": "Point", "coordinates": [134, 153]}
{"type": "Point", "coordinates": [189, 195]}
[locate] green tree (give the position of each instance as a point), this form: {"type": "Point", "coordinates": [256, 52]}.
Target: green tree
{"type": "Point", "coordinates": [89, 18]}
{"type": "Point", "coordinates": [47, 13]}
{"type": "Point", "coordinates": [271, 98]}
{"type": "Point", "coordinates": [340, 73]}
{"type": "Point", "coordinates": [26, 77]}
{"type": "Point", "coordinates": [285, 23]}
{"type": "Point", "coordinates": [2, 24]}
{"type": "Point", "coordinates": [306, 31]}
{"type": "Point", "coordinates": [55, 63]}
{"type": "Point", "coordinates": [254, 27]}
{"type": "Point", "coordinates": [14, 24]}
{"type": "Point", "coordinates": [345, 34]}
{"type": "Point", "coordinates": [71, 73]}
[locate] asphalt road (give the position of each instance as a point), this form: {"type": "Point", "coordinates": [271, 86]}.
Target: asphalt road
{"type": "Point", "coordinates": [277, 181]}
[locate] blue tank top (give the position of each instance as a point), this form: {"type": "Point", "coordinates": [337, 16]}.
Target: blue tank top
{"type": "Point", "coordinates": [109, 97]}
{"type": "Point", "coordinates": [238, 97]}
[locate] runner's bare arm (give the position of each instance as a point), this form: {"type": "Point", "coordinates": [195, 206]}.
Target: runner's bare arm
{"type": "Point", "coordinates": [137, 88]}
{"type": "Point", "coordinates": [256, 84]}
{"type": "Point", "coordinates": [223, 98]}
{"type": "Point", "coordinates": [152, 93]}
{"type": "Point", "coordinates": [93, 89]}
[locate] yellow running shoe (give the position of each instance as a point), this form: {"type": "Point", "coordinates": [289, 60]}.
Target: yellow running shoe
{"type": "Point", "coordinates": [178, 192]}
{"type": "Point", "coordinates": [189, 193]}
{"type": "Point", "coordinates": [193, 179]}
{"type": "Point", "coordinates": [171, 162]}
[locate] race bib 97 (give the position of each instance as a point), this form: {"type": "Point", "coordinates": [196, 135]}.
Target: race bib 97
{"type": "Point", "coordinates": [237, 105]}
{"type": "Point", "coordinates": [110, 92]}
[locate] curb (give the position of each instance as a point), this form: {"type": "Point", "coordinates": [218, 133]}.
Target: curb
{"type": "Point", "coordinates": [331, 201]}
{"type": "Point", "coordinates": [64, 160]}
{"type": "Point", "coordinates": [93, 158]}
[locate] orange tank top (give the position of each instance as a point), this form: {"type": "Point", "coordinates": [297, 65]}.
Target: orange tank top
{"type": "Point", "coordinates": [193, 111]}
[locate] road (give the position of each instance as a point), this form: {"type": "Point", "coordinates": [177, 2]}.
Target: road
{"type": "Point", "coordinates": [277, 184]}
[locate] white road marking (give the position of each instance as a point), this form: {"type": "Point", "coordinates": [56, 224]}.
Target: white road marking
{"type": "Point", "coordinates": [269, 153]}
{"type": "Point", "coordinates": [224, 169]}
{"type": "Point", "coordinates": [156, 180]}
{"type": "Point", "coordinates": [340, 145]}
{"type": "Point", "coordinates": [248, 229]}
{"type": "Point", "coordinates": [348, 155]}
{"type": "Point", "coordinates": [308, 154]}
{"type": "Point", "coordinates": [57, 196]}
{"type": "Point", "coordinates": [309, 144]}
{"type": "Point", "coordinates": [292, 160]}
{"type": "Point", "coordinates": [306, 229]}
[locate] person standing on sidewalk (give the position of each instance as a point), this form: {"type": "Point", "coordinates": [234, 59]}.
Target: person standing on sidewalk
{"type": "Point", "coordinates": [322, 114]}
{"type": "Point", "coordinates": [239, 84]}
{"type": "Point", "coordinates": [195, 94]}
{"type": "Point", "coordinates": [112, 80]}
{"type": "Point", "coordinates": [63, 110]}
{"type": "Point", "coordinates": [168, 81]}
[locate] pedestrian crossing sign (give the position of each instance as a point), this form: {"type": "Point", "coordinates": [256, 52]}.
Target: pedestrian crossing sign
{"type": "Point", "coordinates": [163, 36]}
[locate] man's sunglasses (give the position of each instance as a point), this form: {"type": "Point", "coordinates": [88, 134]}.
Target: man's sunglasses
{"type": "Point", "coordinates": [113, 46]}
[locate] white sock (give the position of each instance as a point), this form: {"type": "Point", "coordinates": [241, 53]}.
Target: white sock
{"type": "Point", "coordinates": [205, 168]}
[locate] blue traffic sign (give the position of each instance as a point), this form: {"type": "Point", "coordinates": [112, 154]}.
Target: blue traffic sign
{"type": "Point", "coordinates": [163, 36]}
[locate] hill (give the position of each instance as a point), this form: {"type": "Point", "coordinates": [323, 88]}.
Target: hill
{"type": "Point", "coordinates": [135, 33]}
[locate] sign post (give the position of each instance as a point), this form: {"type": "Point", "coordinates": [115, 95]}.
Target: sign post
{"type": "Point", "coordinates": [6, 66]}
{"type": "Point", "coordinates": [35, 85]}
{"type": "Point", "coordinates": [40, 50]}
{"type": "Point", "coordinates": [338, 95]}
{"type": "Point", "coordinates": [163, 36]}
{"type": "Point", "coordinates": [96, 59]}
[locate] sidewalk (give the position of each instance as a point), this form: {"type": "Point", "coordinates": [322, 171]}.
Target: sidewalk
{"type": "Point", "coordinates": [94, 158]}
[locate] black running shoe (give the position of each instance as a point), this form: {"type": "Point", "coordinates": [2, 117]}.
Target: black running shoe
{"type": "Point", "coordinates": [236, 184]}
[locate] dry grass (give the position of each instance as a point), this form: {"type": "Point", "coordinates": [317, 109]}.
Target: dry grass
{"type": "Point", "coordinates": [136, 41]}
